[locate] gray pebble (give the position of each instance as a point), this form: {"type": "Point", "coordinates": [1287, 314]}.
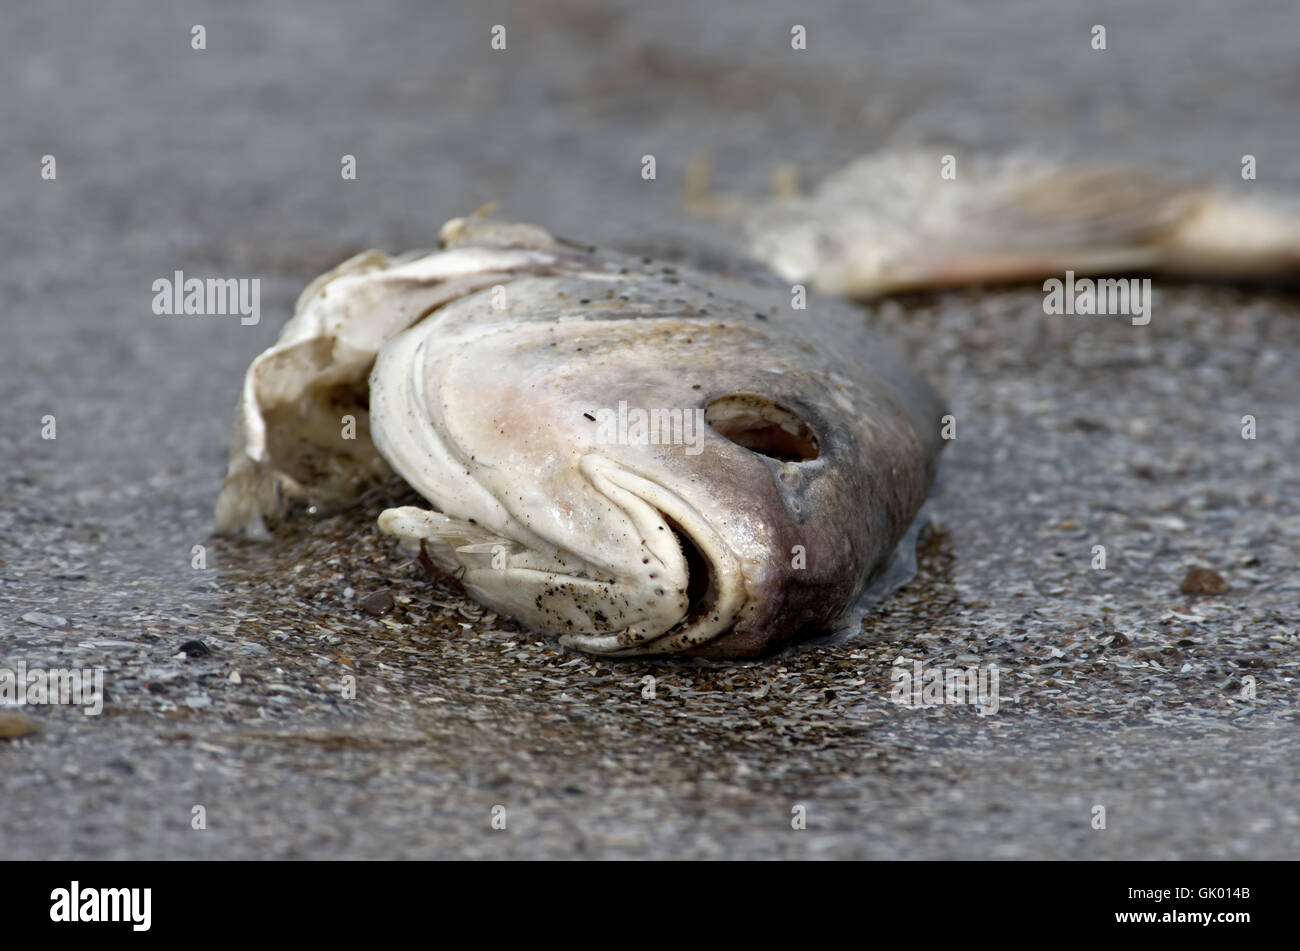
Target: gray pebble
{"type": "Point", "coordinates": [41, 619]}
{"type": "Point", "coordinates": [377, 604]}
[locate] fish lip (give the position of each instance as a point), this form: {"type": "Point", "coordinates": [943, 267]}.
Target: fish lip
{"type": "Point", "coordinates": [725, 596]}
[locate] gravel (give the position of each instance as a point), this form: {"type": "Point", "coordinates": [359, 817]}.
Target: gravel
{"type": "Point", "coordinates": [311, 726]}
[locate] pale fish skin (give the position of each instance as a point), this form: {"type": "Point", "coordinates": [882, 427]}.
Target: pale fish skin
{"type": "Point", "coordinates": [493, 356]}
{"type": "Point", "coordinates": [890, 222]}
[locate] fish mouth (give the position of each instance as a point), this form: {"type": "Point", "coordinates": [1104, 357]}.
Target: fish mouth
{"type": "Point", "coordinates": [714, 583]}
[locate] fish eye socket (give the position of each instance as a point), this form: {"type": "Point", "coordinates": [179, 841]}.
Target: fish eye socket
{"type": "Point", "coordinates": [761, 426]}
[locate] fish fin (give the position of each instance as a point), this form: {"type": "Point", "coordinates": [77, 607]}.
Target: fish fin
{"type": "Point", "coordinates": [508, 576]}
{"type": "Point", "coordinates": [479, 230]}
{"type": "Point", "coordinates": [452, 534]}
{"type": "Point", "coordinates": [785, 181]}
{"type": "Point", "coordinates": [1076, 207]}
{"type": "Point", "coordinates": [699, 200]}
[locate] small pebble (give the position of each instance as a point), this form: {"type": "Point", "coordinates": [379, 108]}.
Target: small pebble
{"type": "Point", "coordinates": [14, 725]}
{"type": "Point", "coordinates": [1203, 581]}
{"type": "Point", "coordinates": [42, 619]}
{"type": "Point", "coordinates": [379, 603]}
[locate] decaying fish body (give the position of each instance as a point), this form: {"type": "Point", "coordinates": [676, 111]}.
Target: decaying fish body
{"type": "Point", "coordinates": [893, 221]}
{"type": "Point", "coordinates": [792, 452]}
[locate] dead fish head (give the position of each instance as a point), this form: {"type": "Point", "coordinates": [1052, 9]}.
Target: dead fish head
{"type": "Point", "coordinates": [640, 474]}
{"type": "Point", "coordinates": [638, 458]}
